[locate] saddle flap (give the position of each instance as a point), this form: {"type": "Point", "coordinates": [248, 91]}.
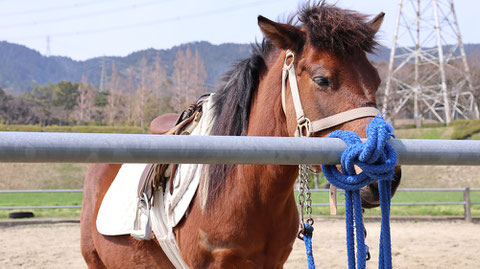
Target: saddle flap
{"type": "Point", "coordinates": [116, 215]}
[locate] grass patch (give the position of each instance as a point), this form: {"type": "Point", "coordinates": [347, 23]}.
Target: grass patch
{"type": "Point", "coordinates": [424, 133]}
{"type": "Point", "coordinates": [464, 129]}
{"type": "Point", "coordinates": [24, 176]}
{"type": "Point", "coordinates": [37, 199]}
{"type": "Point", "coordinates": [43, 199]}
{"type": "Point", "coordinates": [74, 129]}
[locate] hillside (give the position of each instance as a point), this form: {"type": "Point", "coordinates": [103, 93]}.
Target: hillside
{"type": "Point", "coordinates": [22, 67]}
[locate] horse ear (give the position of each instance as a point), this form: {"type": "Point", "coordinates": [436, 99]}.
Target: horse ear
{"type": "Point", "coordinates": [283, 36]}
{"type": "Point", "coordinates": [377, 21]}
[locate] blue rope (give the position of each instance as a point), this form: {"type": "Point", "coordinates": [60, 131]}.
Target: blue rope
{"type": "Point", "coordinates": [307, 238]}
{"type": "Point", "coordinates": [377, 159]}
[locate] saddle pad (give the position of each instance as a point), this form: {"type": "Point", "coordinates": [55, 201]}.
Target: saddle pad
{"type": "Point", "coordinates": [188, 176]}
{"type": "Point", "coordinates": [117, 212]}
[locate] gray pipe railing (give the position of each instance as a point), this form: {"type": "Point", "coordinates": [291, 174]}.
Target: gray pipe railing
{"type": "Point", "coordinates": [135, 148]}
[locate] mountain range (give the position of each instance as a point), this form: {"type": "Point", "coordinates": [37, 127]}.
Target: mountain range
{"type": "Point", "coordinates": [22, 68]}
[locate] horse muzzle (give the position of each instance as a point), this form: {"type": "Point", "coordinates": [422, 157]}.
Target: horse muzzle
{"type": "Point", "coordinates": [370, 195]}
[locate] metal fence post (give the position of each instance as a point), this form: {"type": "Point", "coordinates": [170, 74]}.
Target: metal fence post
{"type": "Point", "coordinates": [468, 210]}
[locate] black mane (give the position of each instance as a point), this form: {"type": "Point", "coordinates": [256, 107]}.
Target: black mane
{"type": "Point", "coordinates": [232, 106]}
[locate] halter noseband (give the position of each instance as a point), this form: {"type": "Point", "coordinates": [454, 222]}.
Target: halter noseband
{"type": "Point", "coordinates": [304, 126]}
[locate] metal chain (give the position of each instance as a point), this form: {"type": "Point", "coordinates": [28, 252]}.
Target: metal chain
{"type": "Point", "coordinates": [304, 195]}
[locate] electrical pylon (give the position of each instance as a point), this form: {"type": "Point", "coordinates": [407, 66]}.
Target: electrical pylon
{"type": "Point", "coordinates": [47, 51]}
{"type": "Point", "coordinates": [103, 74]}
{"type": "Point", "coordinates": [428, 72]}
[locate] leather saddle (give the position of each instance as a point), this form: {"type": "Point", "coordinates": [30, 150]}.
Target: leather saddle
{"type": "Point", "coordinates": [155, 176]}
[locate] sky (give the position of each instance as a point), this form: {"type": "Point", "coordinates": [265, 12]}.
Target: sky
{"type": "Point", "coordinates": [83, 29]}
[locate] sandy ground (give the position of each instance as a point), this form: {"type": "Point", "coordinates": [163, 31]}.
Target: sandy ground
{"type": "Point", "coordinates": [425, 244]}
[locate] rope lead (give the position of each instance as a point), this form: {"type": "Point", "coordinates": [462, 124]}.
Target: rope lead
{"type": "Point", "coordinates": [307, 238]}
{"type": "Point", "coordinates": [377, 159]}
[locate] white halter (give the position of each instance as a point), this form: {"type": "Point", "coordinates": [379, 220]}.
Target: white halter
{"type": "Point", "coordinates": [304, 126]}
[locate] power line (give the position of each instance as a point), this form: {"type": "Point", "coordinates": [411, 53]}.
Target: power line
{"type": "Point", "coordinates": [151, 22]}
{"type": "Point", "coordinates": [84, 15]}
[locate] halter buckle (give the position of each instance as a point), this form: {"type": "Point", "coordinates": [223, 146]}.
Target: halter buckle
{"type": "Point", "coordinates": [288, 55]}
{"type": "Point", "coordinates": [303, 127]}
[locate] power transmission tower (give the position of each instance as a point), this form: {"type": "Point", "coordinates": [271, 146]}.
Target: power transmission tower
{"type": "Point", "coordinates": [428, 72]}
{"type": "Point", "coordinates": [47, 51]}
{"type": "Point", "coordinates": [103, 74]}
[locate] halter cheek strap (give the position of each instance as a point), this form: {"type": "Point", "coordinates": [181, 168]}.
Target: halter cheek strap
{"type": "Point", "coordinates": [304, 126]}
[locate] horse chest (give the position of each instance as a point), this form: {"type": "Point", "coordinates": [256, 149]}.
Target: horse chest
{"type": "Point", "coordinates": [238, 236]}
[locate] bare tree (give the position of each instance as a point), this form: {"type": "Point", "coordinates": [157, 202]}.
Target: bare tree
{"type": "Point", "coordinates": [85, 101]}
{"type": "Point", "coordinates": [114, 106]}
{"type": "Point", "coordinates": [199, 75]}
{"type": "Point", "coordinates": [189, 77]}
{"type": "Point", "coordinates": [179, 80]}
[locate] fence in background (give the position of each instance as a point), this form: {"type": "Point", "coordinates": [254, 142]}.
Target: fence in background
{"type": "Point", "coordinates": [40, 207]}
{"type": "Point", "coordinates": [467, 202]}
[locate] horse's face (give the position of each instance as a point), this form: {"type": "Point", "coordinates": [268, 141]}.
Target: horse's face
{"type": "Point", "coordinates": [330, 84]}
{"type": "Point", "coordinates": [330, 80]}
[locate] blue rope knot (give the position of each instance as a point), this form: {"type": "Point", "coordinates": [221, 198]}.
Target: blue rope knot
{"type": "Point", "coordinates": [377, 159]}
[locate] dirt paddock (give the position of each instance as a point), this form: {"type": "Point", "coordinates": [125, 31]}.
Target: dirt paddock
{"type": "Point", "coordinates": [424, 244]}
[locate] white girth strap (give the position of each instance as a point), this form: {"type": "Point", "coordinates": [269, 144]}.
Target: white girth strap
{"type": "Point", "coordinates": [304, 126]}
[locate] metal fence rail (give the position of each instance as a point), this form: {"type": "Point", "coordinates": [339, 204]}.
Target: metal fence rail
{"type": "Point", "coordinates": [466, 195]}
{"type": "Point", "coordinates": [467, 203]}
{"type": "Point", "coordinates": [136, 148]}
{"type": "Point", "coordinates": [41, 191]}
{"type": "Point", "coordinates": [39, 207]}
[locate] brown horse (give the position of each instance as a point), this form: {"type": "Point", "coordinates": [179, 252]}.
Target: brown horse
{"type": "Point", "coordinates": [250, 219]}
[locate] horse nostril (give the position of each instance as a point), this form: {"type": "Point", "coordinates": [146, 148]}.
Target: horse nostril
{"type": "Point", "coordinates": [370, 104]}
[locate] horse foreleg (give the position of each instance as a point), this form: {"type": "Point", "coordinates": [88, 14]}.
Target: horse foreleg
{"type": "Point", "coordinates": [97, 180]}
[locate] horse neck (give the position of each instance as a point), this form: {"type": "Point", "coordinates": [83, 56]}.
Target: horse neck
{"type": "Point", "coordinates": [267, 119]}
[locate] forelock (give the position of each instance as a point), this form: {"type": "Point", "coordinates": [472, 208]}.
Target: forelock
{"type": "Point", "coordinates": [340, 30]}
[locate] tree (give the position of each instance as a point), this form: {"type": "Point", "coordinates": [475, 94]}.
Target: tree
{"type": "Point", "coordinates": [179, 81]}
{"type": "Point", "coordinates": [65, 96]}
{"type": "Point", "coordinates": [16, 110]}
{"type": "Point", "coordinates": [199, 75]}
{"type": "Point", "coordinates": [19, 111]}
{"type": "Point", "coordinates": [159, 79]}
{"type": "Point", "coordinates": [115, 105]}
{"type": "Point", "coordinates": [147, 105]}
{"type": "Point", "coordinates": [189, 77]}
{"type": "Point", "coordinates": [85, 101]}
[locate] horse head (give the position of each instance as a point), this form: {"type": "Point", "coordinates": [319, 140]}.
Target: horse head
{"type": "Point", "coordinates": [333, 75]}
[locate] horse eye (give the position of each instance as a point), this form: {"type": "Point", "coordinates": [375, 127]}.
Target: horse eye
{"type": "Point", "coordinates": [322, 81]}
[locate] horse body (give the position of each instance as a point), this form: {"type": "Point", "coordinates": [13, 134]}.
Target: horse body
{"type": "Point", "coordinates": [245, 216]}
